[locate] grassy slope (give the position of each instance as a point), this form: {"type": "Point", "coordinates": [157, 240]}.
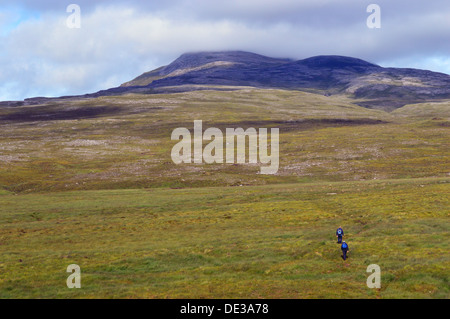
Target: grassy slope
{"type": "Point", "coordinates": [125, 143]}
{"type": "Point", "coordinates": [259, 241]}
{"type": "Point", "coordinates": [384, 177]}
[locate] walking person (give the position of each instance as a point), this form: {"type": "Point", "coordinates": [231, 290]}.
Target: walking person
{"type": "Point", "coordinates": [345, 250]}
{"type": "Point", "coordinates": [339, 234]}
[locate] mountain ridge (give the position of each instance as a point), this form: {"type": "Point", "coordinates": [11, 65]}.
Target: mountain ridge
{"type": "Point", "coordinates": [373, 86]}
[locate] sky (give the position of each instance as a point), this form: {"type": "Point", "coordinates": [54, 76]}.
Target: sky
{"type": "Point", "coordinates": [41, 55]}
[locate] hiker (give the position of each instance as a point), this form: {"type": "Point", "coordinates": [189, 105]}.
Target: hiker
{"type": "Point", "coordinates": [339, 234]}
{"type": "Point", "coordinates": [345, 249]}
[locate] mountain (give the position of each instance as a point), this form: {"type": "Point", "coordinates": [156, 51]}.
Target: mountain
{"type": "Point", "coordinates": [371, 85]}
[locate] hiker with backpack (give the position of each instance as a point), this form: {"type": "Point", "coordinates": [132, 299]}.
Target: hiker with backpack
{"type": "Point", "coordinates": [339, 234]}
{"type": "Point", "coordinates": [345, 249]}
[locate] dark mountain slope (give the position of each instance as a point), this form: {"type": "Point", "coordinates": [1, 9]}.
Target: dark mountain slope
{"type": "Point", "coordinates": [385, 88]}
{"type": "Point", "coordinates": [373, 85]}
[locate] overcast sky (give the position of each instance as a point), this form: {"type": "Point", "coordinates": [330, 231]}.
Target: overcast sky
{"type": "Point", "coordinates": [118, 40]}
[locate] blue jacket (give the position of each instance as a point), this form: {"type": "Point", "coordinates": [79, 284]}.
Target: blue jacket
{"type": "Point", "coordinates": [344, 246]}
{"type": "Point", "coordinates": [337, 232]}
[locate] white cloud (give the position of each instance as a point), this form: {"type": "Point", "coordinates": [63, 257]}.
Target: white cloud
{"type": "Point", "coordinates": [115, 43]}
{"type": "Point", "coordinates": [433, 63]}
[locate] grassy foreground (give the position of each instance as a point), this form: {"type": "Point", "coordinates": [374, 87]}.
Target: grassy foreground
{"type": "Point", "coordinates": [272, 241]}
{"type": "Point", "coordinates": [91, 182]}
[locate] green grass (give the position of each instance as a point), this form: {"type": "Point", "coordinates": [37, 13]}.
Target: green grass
{"type": "Point", "coordinates": [126, 142]}
{"type": "Point", "coordinates": [91, 182]}
{"type": "Point", "coordinates": [229, 242]}
{"type": "Point", "coordinates": [439, 110]}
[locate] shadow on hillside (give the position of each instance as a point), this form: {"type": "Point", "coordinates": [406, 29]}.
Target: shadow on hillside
{"type": "Point", "coordinates": [304, 124]}
{"type": "Point", "coordinates": [165, 129]}
{"type": "Point", "coordinates": [51, 114]}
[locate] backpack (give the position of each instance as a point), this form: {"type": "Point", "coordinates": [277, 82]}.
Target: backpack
{"type": "Point", "coordinates": [339, 231]}
{"type": "Point", "coordinates": [344, 246]}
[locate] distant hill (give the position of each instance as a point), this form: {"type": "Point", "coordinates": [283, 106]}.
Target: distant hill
{"type": "Point", "coordinates": [372, 85]}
